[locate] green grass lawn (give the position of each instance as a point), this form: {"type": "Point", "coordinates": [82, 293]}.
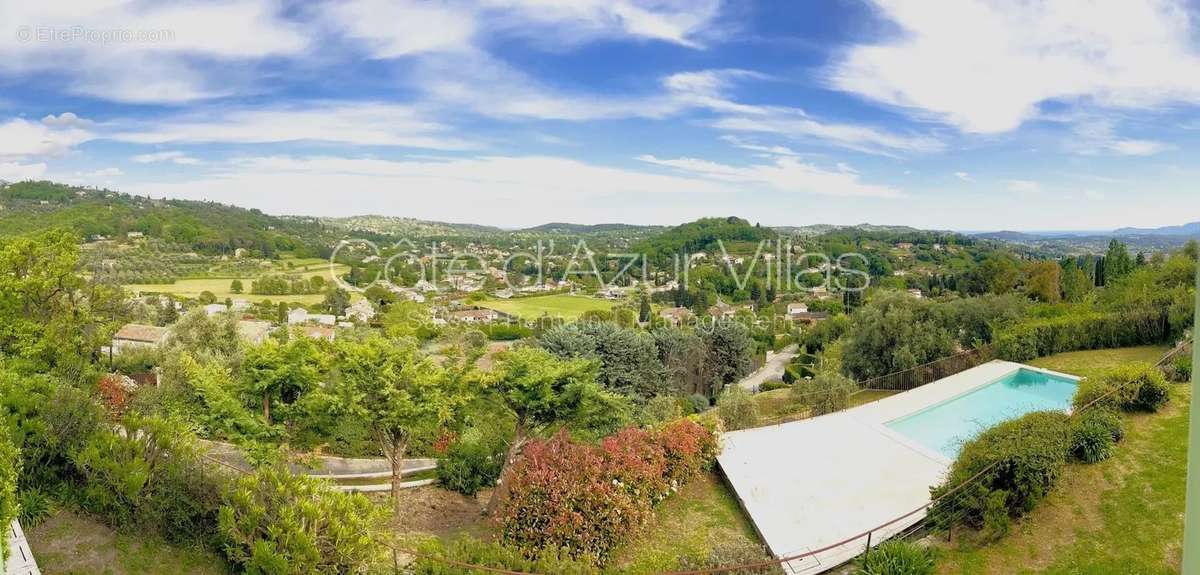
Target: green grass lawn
{"type": "Point", "coordinates": [1090, 363]}
{"type": "Point", "coordinates": [68, 543]}
{"type": "Point", "coordinates": [687, 524]}
{"type": "Point", "coordinates": [192, 287]}
{"type": "Point", "coordinates": [564, 306]}
{"type": "Point", "coordinates": [778, 405]}
{"type": "Point", "coordinates": [1118, 517]}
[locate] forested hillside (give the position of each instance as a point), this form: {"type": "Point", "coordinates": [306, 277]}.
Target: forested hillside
{"type": "Point", "coordinates": [205, 227]}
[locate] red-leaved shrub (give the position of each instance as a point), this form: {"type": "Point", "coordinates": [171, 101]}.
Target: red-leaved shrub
{"type": "Point", "coordinates": [586, 499]}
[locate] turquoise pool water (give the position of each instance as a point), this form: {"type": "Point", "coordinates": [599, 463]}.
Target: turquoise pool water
{"type": "Point", "coordinates": [943, 427]}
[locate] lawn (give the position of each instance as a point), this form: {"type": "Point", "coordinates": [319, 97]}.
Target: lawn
{"type": "Point", "coordinates": [68, 543]}
{"type": "Point", "coordinates": [689, 524]}
{"type": "Point", "coordinates": [1120, 516]}
{"type": "Point", "coordinates": [778, 405]}
{"type": "Point", "coordinates": [564, 306]}
{"type": "Point", "coordinates": [220, 286]}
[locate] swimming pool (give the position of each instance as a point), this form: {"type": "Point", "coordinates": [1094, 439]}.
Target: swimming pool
{"type": "Point", "coordinates": [944, 427]}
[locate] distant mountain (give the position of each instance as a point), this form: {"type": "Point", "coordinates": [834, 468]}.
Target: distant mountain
{"type": "Point", "coordinates": [818, 229]}
{"type": "Point", "coordinates": [405, 227]}
{"type": "Point", "coordinates": [1009, 236]}
{"type": "Point", "coordinates": [582, 229]}
{"type": "Point", "coordinates": [1188, 230]}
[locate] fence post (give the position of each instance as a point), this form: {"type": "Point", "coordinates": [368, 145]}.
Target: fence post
{"type": "Point", "coordinates": [867, 553]}
{"type": "Point", "coordinates": [1191, 523]}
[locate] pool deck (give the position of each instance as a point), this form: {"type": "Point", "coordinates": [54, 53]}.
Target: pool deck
{"type": "Point", "coordinates": [810, 484]}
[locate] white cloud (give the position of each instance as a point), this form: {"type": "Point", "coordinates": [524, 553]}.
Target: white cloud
{"type": "Point", "coordinates": [964, 176]}
{"type": "Point", "coordinates": [366, 123]}
{"type": "Point", "coordinates": [173, 156]}
{"type": "Point", "coordinates": [105, 173]}
{"type": "Point", "coordinates": [795, 124]}
{"type": "Point", "coordinates": [16, 171]}
{"type": "Point", "coordinates": [986, 65]}
{"type": "Point", "coordinates": [66, 120]}
{"type": "Point", "coordinates": [1098, 136]}
{"type": "Point", "coordinates": [494, 189]}
{"type": "Point", "coordinates": [398, 28]}
{"type": "Point", "coordinates": [1024, 186]}
{"type": "Point", "coordinates": [784, 174]}
{"type": "Point", "coordinates": [131, 51]}
{"type": "Point", "coordinates": [20, 138]}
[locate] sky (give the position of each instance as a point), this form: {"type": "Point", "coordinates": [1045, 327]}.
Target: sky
{"type": "Point", "coordinates": [965, 115]}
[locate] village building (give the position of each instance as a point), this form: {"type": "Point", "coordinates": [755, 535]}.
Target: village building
{"type": "Point", "coordinates": [138, 336]}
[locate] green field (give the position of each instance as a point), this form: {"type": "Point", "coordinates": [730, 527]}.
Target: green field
{"type": "Point", "coordinates": [563, 306]}
{"type": "Point", "coordinates": [193, 287]}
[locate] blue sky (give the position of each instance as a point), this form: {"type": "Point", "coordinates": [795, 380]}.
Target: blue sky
{"type": "Point", "coordinates": [965, 115]}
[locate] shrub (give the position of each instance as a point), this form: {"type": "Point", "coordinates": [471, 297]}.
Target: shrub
{"type": "Point", "coordinates": [279, 523]}
{"type": "Point", "coordinates": [737, 408]}
{"type": "Point", "coordinates": [35, 507]}
{"type": "Point", "coordinates": [1080, 331]}
{"type": "Point", "coordinates": [733, 552]}
{"type": "Point", "coordinates": [699, 403]}
{"type": "Point", "coordinates": [10, 468]}
{"type": "Point", "coordinates": [588, 498]}
{"type": "Point", "coordinates": [772, 386]}
{"type": "Point", "coordinates": [1181, 368]}
{"type": "Point", "coordinates": [494, 555]}
{"type": "Point", "coordinates": [1091, 437]}
{"type": "Point", "coordinates": [149, 475]}
{"type": "Point", "coordinates": [661, 409]}
{"type": "Point", "coordinates": [1136, 386]}
{"type": "Point", "coordinates": [897, 558]}
{"type": "Point", "coordinates": [1028, 454]}
{"type": "Point", "coordinates": [471, 463]}
{"type": "Point", "coordinates": [828, 392]}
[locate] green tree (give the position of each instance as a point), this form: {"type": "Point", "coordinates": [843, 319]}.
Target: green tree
{"type": "Point", "coordinates": [206, 297]}
{"type": "Point", "coordinates": [281, 313]}
{"type": "Point", "coordinates": [644, 309]}
{"type": "Point", "coordinates": [1075, 283]}
{"type": "Point", "coordinates": [999, 273]}
{"type": "Point", "coordinates": [1117, 262]}
{"type": "Point", "coordinates": [892, 333]}
{"type": "Point", "coordinates": [737, 408]}
{"type": "Point", "coordinates": [1043, 281]}
{"type": "Point", "coordinates": [336, 300]}
{"type": "Point", "coordinates": [278, 371]}
{"type": "Point", "coordinates": [235, 286]}
{"type": "Point", "coordinates": [729, 352]}
{"type": "Point", "coordinates": [170, 313]}
{"type": "Point", "coordinates": [541, 391]}
{"type": "Point", "coordinates": [398, 393]}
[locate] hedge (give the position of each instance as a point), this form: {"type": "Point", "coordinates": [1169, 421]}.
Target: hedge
{"type": "Point", "coordinates": [1081, 331]}
{"type": "Point", "coordinates": [1026, 455]}
{"type": "Point", "coordinates": [10, 468]}
{"type": "Point", "coordinates": [589, 498]}
{"type": "Point", "coordinates": [1136, 386]}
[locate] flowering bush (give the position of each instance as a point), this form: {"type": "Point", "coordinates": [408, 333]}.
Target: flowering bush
{"type": "Point", "coordinates": [114, 390]}
{"type": "Point", "coordinates": [586, 499]}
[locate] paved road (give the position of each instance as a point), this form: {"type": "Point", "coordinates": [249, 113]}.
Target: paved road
{"type": "Point", "coordinates": [772, 370]}
{"type": "Point", "coordinates": [335, 467]}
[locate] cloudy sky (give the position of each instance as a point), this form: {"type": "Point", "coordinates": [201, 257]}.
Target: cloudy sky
{"type": "Point", "coordinates": [970, 114]}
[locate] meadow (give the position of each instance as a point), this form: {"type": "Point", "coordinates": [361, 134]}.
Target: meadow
{"type": "Point", "coordinates": [193, 287]}
{"type": "Point", "coordinates": [564, 306]}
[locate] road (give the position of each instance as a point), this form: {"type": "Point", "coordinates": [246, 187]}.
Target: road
{"type": "Point", "coordinates": [771, 370]}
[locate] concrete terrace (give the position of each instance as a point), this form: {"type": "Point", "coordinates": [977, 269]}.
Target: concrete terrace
{"type": "Point", "coordinates": [810, 484]}
{"type": "Point", "coordinates": [20, 557]}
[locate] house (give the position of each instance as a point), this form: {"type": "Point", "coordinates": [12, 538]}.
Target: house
{"type": "Point", "coordinates": [138, 336]}
{"type": "Point", "coordinates": [916, 293]}
{"type": "Point", "coordinates": [318, 332]}
{"type": "Point", "coordinates": [215, 308]}
{"type": "Point", "coordinates": [611, 292]}
{"type": "Point", "coordinates": [797, 307]}
{"type": "Point", "coordinates": [675, 315]}
{"type": "Point", "coordinates": [904, 246]}
{"type": "Point", "coordinates": [722, 310]}
{"type": "Point", "coordinates": [322, 318]}
{"type": "Point", "coordinates": [297, 316]}
{"type": "Point", "coordinates": [240, 305]}
{"type": "Point", "coordinates": [425, 285]}
{"type": "Point", "coordinates": [504, 293]}
{"type": "Point", "coordinates": [809, 317]}
{"type": "Point", "coordinates": [134, 235]}
{"type": "Point", "coordinates": [254, 331]}
{"type": "Point", "coordinates": [361, 310]}
{"type": "Point", "coordinates": [474, 316]}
